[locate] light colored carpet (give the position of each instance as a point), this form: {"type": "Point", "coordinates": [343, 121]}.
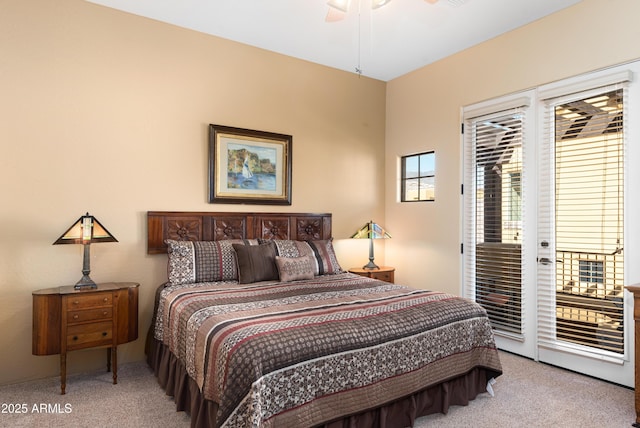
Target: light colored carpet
{"type": "Point", "coordinates": [531, 394]}
{"type": "Point", "coordinates": [528, 394]}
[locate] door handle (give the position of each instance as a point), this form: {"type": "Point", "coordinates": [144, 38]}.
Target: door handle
{"type": "Point", "coordinates": [545, 261]}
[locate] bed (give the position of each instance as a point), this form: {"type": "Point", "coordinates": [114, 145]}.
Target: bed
{"type": "Point", "coordinates": [259, 326]}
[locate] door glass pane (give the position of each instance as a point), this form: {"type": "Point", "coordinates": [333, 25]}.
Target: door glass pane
{"type": "Point", "coordinates": [498, 165]}
{"type": "Point", "coordinates": [589, 221]}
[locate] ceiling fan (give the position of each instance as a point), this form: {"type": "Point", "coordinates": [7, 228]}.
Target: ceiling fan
{"type": "Point", "coordinates": [339, 8]}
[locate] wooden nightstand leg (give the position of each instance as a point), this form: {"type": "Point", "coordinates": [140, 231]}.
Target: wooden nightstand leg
{"type": "Point", "coordinates": [63, 373]}
{"type": "Point", "coordinates": [109, 359]}
{"type": "Point", "coordinates": [114, 357]}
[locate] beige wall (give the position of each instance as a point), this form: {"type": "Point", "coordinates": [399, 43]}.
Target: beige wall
{"type": "Point", "coordinates": [107, 112]}
{"type": "Point", "coordinates": [423, 113]}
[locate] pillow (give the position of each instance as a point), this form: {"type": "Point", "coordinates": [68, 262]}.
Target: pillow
{"type": "Point", "coordinates": [256, 262]}
{"type": "Point", "coordinates": [322, 253]}
{"type": "Point", "coordinates": [201, 261]}
{"type": "Point", "coordinates": [295, 268]}
{"type": "Point", "coordinates": [325, 257]}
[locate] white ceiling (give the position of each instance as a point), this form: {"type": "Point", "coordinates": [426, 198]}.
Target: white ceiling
{"type": "Point", "coordinates": [384, 43]}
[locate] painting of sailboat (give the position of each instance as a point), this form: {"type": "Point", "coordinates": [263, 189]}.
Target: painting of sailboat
{"type": "Point", "coordinates": [251, 167]}
{"type": "Point", "coordinates": [248, 166]}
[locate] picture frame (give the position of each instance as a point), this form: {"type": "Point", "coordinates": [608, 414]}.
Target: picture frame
{"type": "Point", "coordinates": [247, 166]}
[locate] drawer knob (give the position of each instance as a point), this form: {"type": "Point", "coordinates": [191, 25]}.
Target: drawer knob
{"type": "Point", "coordinates": [104, 333]}
{"type": "Point", "coordinates": [75, 337]}
{"type": "Point", "coordinates": [75, 302]}
{"type": "Point", "coordinates": [105, 313]}
{"type": "Point", "coordinates": [75, 317]}
{"type": "Point", "coordinates": [105, 300]}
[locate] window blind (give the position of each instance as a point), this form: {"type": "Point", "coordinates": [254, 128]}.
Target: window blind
{"type": "Point", "coordinates": [581, 197]}
{"type": "Point", "coordinates": [493, 215]}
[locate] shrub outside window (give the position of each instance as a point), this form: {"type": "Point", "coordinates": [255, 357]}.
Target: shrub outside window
{"type": "Point", "coordinates": [418, 177]}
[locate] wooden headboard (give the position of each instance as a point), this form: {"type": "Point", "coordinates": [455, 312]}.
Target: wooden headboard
{"type": "Point", "coordinates": [215, 226]}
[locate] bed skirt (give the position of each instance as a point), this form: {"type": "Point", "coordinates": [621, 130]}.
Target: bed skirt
{"type": "Point", "coordinates": [173, 378]}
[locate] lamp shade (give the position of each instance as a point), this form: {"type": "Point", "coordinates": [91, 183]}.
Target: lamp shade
{"type": "Point", "coordinates": [371, 231]}
{"type": "Point", "coordinates": [86, 230]}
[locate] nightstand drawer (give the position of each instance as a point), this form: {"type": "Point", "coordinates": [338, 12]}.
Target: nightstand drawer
{"type": "Point", "coordinates": [382, 276]}
{"type": "Point", "coordinates": [89, 335]}
{"type": "Point", "coordinates": [89, 301]}
{"type": "Point", "coordinates": [97, 314]}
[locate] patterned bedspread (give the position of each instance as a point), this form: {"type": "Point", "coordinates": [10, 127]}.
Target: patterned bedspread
{"type": "Point", "coordinates": [304, 352]}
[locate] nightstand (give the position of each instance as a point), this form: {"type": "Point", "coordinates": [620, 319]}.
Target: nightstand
{"type": "Point", "coordinates": [383, 273]}
{"type": "Point", "coordinates": [66, 319]}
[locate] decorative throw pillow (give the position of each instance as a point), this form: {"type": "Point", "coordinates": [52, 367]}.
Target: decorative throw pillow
{"type": "Point", "coordinates": [256, 263]}
{"type": "Point", "coordinates": [202, 261]}
{"type": "Point", "coordinates": [295, 268]}
{"type": "Point", "coordinates": [325, 257]}
{"type": "Point", "coordinates": [322, 253]}
{"type": "Point", "coordinates": [290, 248]}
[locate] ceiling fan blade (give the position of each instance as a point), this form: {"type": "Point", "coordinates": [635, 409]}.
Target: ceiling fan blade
{"type": "Point", "coordinates": [378, 3]}
{"type": "Point", "coordinates": [342, 5]}
{"type": "Point", "coordinates": [334, 15]}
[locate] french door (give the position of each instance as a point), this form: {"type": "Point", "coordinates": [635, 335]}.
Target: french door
{"type": "Point", "coordinates": [499, 240]}
{"type": "Point", "coordinates": [583, 322]}
{"type": "Point", "coordinates": [545, 236]}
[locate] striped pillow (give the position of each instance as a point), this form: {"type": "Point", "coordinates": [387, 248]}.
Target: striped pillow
{"type": "Point", "coordinates": [202, 261]}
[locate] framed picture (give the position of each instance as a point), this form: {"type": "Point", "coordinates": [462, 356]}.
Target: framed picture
{"type": "Point", "coordinates": [249, 167]}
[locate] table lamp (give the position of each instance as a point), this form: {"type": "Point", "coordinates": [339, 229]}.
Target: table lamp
{"type": "Point", "coordinates": [371, 231]}
{"type": "Point", "coordinates": [85, 231]}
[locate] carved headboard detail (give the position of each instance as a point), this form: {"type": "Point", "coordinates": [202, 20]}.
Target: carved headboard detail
{"type": "Point", "coordinates": [216, 226]}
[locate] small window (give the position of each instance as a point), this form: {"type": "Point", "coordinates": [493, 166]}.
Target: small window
{"type": "Point", "coordinates": [418, 177]}
{"type": "Point", "coordinates": [591, 272]}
